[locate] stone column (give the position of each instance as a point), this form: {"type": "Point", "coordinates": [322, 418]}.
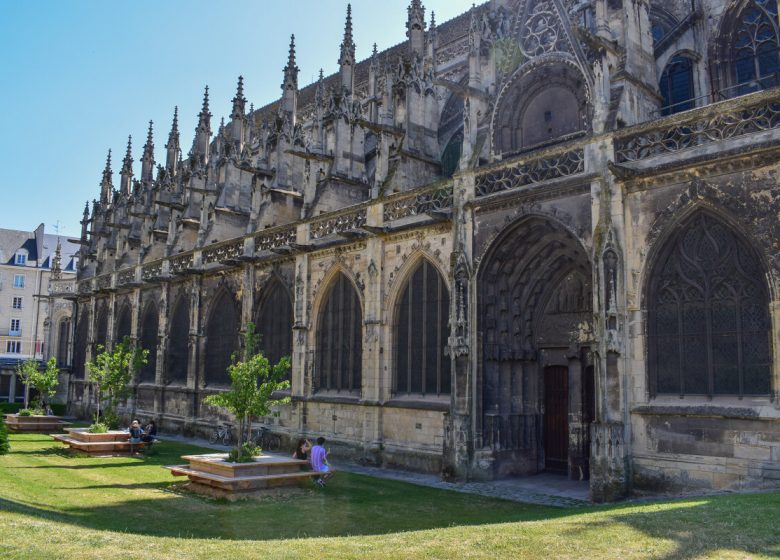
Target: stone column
{"type": "Point", "coordinates": [459, 426]}
{"type": "Point", "coordinates": [373, 340]}
{"type": "Point", "coordinates": [162, 348]}
{"type": "Point", "coordinates": [194, 349]}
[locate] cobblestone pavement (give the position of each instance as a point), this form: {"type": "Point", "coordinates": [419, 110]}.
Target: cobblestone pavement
{"type": "Point", "coordinates": [542, 489]}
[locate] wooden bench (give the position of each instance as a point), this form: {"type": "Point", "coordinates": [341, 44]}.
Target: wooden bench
{"type": "Point", "coordinates": [34, 424]}
{"type": "Point", "coordinates": [117, 443]}
{"type": "Point", "coordinates": [212, 472]}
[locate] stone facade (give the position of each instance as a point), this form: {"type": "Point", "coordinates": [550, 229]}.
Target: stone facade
{"type": "Point", "coordinates": [540, 236]}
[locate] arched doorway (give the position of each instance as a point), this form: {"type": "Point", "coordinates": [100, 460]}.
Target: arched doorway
{"type": "Point", "coordinates": [534, 293]}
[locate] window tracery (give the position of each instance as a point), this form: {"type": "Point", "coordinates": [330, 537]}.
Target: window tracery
{"type": "Point", "coordinates": [421, 364]}
{"type": "Point", "coordinates": [339, 340]}
{"type": "Point", "coordinates": [709, 329]}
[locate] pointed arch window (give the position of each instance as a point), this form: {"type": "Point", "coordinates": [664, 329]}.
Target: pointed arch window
{"type": "Point", "coordinates": [754, 47]}
{"type": "Point", "coordinates": [124, 322]}
{"type": "Point", "coordinates": [178, 342]}
{"type": "Point", "coordinates": [221, 338]}
{"type": "Point", "coordinates": [274, 322]}
{"type": "Point", "coordinates": [80, 345]}
{"type": "Point", "coordinates": [421, 363]}
{"type": "Point", "coordinates": [708, 312]}
{"type": "Point", "coordinates": [149, 326]}
{"type": "Point", "coordinates": [63, 334]}
{"type": "Point", "coordinates": [339, 340]}
{"type": "Point", "coordinates": [676, 85]}
{"type": "Point", "coordinates": [101, 326]}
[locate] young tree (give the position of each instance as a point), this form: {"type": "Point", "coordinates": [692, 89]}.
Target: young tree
{"type": "Point", "coordinates": [111, 373]}
{"type": "Point", "coordinates": [254, 381]}
{"type": "Point", "coordinates": [45, 382]}
{"type": "Point", "coordinates": [26, 370]}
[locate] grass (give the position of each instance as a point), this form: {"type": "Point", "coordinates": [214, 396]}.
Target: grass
{"type": "Point", "coordinates": [55, 505]}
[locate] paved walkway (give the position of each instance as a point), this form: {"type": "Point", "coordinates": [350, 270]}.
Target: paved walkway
{"type": "Point", "coordinates": [542, 489]}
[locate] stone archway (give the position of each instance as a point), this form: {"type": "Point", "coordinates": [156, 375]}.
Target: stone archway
{"type": "Point", "coordinates": [534, 291]}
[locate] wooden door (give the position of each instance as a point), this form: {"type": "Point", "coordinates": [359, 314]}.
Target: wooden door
{"type": "Point", "coordinates": [556, 419]}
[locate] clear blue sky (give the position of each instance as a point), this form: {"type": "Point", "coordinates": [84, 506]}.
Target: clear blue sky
{"type": "Point", "coordinates": [79, 76]}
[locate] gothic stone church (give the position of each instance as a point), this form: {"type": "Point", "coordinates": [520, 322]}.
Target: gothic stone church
{"type": "Point", "coordinates": [541, 236]}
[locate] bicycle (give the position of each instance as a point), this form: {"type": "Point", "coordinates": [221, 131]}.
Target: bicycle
{"type": "Point", "coordinates": [221, 433]}
{"type": "Point", "coordinates": [267, 441]}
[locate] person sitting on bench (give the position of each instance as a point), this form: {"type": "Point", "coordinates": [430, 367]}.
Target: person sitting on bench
{"type": "Point", "coordinates": [150, 432]}
{"type": "Point", "coordinates": [136, 433]}
{"type": "Point", "coordinates": [319, 462]}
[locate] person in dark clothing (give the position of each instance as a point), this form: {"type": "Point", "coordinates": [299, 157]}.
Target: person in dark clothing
{"type": "Point", "coordinates": [150, 432]}
{"type": "Point", "coordinates": [302, 450]}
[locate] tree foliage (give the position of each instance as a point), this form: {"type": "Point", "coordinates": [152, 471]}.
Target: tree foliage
{"type": "Point", "coordinates": [253, 384]}
{"type": "Point", "coordinates": [45, 381]}
{"type": "Point", "coordinates": [111, 373]}
{"type": "Point", "coordinates": [26, 370]}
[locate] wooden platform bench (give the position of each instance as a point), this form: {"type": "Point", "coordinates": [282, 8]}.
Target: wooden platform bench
{"type": "Point", "coordinates": [113, 442]}
{"type": "Point", "coordinates": [34, 424]}
{"type": "Point", "coordinates": [213, 472]}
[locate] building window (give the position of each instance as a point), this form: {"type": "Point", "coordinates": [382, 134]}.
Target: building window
{"type": "Point", "coordinates": [755, 47]}
{"type": "Point", "coordinates": [13, 347]}
{"type": "Point", "coordinates": [178, 342]}
{"type": "Point", "coordinates": [421, 363]}
{"type": "Point", "coordinates": [18, 280]}
{"type": "Point", "coordinates": [339, 340]}
{"type": "Point", "coordinates": [221, 338]}
{"type": "Point", "coordinates": [708, 314]}
{"type": "Point", "coordinates": [677, 85]}
{"type": "Point", "coordinates": [17, 303]}
{"type": "Point", "coordinates": [274, 323]}
{"type": "Point", "coordinates": [16, 327]}
{"type": "Point", "coordinates": [149, 336]}
{"type": "Point", "coordinates": [21, 258]}
{"type": "Point", "coordinates": [62, 343]}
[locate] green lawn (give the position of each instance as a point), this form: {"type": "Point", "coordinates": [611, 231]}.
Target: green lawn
{"type": "Point", "coordinates": [53, 505]}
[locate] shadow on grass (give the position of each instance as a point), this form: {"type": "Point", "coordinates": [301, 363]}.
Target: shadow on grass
{"type": "Point", "coordinates": [350, 505]}
{"type": "Point", "coordinates": [697, 527]}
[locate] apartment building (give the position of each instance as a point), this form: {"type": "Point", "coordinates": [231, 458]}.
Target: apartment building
{"type": "Point", "coordinates": [34, 321]}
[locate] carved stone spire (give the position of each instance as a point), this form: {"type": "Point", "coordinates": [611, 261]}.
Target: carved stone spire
{"type": "Point", "coordinates": [373, 73]}
{"type": "Point", "coordinates": [290, 83]}
{"type": "Point", "coordinates": [200, 146]}
{"type": "Point", "coordinates": [107, 185]}
{"type": "Point", "coordinates": [56, 262]}
{"type": "Point", "coordinates": [172, 148]}
{"type": "Point", "coordinates": [239, 101]}
{"type": "Point", "coordinates": [347, 58]}
{"type": "Point", "coordinates": [320, 97]}
{"type": "Point", "coordinates": [84, 224]}
{"type": "Point", "coordinates": [147, 160]}
{"type": "Point", "coordinates": [433, 38]}
{"type": "Point", "coordinates": [126, 175]}
{"type": "Point", "coordinates": [415, 26]}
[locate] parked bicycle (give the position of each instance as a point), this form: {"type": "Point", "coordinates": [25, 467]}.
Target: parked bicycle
{"type": "Point", "coordinates": [223, 434]}
{"type": "Point", "coordinates": [263, 438]}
